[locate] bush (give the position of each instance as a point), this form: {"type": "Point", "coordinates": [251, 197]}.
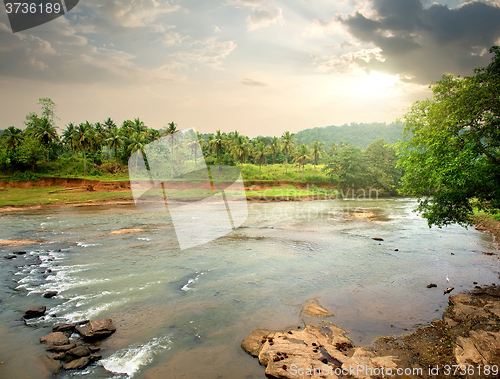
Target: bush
{"type": "Point", "coordinates": [95, 172]}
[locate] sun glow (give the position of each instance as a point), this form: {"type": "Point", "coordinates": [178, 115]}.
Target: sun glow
{"type": "Point", "coordinates": [376, 84]}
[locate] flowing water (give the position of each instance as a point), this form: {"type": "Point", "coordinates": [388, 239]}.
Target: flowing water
{"type": "Point", "coordinates": [183, 314]}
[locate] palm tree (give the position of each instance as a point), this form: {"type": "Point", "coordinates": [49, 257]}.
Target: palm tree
{"type": "Point", "coordinates": [301, 155]}
{"type": "Point", "coordinates": [317, 150]}
{"type": "Point", "coordinates": [170, 131]}
{"type": "Point", "coordinates": [287, 146]}
{"type": "Point", "coordinates": [12, 136]}
{"type": "Point", "coordinates": [84, 136]}
{"type": "Point", "coordinates": [45, 131]}
{"type": "Point", "coordinates": [109, 124]}
{"type": "Point", "coordinates": [70, 138]}
{"type": "Point", "coordinates": [137, 142]}
{"type": "Point", "coordinates": [115, 140]}
{"type": "Point", "coordinates": [217, 144]}
{"type": "Point", "coordinates": [275, 147]}
{"type": "Point", "coordinates": [240, 148]}
{"type": "Point", "coordinates": [193, 142]}
{"type": "Point", "coordinates": [333, 147]}
{"type": "Point", "coordinates": [259, 153]}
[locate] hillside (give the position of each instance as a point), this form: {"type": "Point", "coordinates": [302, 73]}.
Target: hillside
{"type": "Point", "coordinates": [356, 134]}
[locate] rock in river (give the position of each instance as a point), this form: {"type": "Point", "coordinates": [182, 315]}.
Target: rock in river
{"type": "Point", "coordinates": [34, 312]}
{"type": "Point", "coordinates": [96, 329]}
{"type": "Point", "coordinates": [50, 294]}
{"type": "Point", "coordinates": [313, 309]}
{"type": "Point", "coordinates": [55, 339]}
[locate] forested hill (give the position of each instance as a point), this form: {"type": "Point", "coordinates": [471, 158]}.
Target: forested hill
{"type": "Point", "coordinates": [356, 134]}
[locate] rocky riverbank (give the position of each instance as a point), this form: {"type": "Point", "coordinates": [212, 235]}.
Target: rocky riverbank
{"type": "Point", "coordinates": [467, 336]}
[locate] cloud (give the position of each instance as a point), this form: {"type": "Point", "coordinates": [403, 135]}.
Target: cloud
{"type": "Point", "coordinates": [420, 42]}
{"type": "Point", "coordinates": [253, 83]}
{"type": "Point", "coordinates": [209, 52]}
{"type": "Point", "coordinates": [349, 62]}
{"type": "Point", "coordinates": [262, 18]}
{"type": "Point", "coordinates": [170, 38]}
{"type": "Point", "coordinates": [120, 15]}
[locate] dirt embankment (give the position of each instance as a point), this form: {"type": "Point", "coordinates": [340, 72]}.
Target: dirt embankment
{"type": "Point", "coordinates": [95, 185]}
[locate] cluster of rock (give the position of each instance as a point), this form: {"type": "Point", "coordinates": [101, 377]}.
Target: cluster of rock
{"type": "Point", "coordinates": [475, 318]}
{"type": "Point", "coordinates": [469, 335]}
{"type": "Point", "coordinates": [313, 352]}
{"type": "Point", "coordinates": [68, 351]}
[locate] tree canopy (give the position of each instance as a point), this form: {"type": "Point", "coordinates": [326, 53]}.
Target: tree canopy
{"type": "Point", "coordinates": [451, 154]}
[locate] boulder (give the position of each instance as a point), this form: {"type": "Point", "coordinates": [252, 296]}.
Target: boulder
{"type": "Point", "coordinates": [34, 312]}
{"type": "Point", "coordinates": [313, 309]}
{"type": "Point", "coordinates": [77, 364]}
{"type": "Point", "coordinates": [55, 339]}
{"type": "Point", "coordinates": [95, 357]}
{"type": "Point", "coordinates": [10, 256]}
{"type": "Point", "coordinates": [50, 294]}
{"type": "Point", "coordinates": [96, 329]}
{"type": "Point", "coordinates": [64, 328]}
{"type": "Point", "coordinates": [79, 351]}
{"type": "Point", "coordinates": [61, 348]}
{"type": "Point", "coordinates": [253, 343]}
{"type": "Point", "coordinates": [377, 239]}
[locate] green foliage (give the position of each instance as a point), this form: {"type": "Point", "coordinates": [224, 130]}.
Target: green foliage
{"type": "Point", "coordinates": [348, 166]}
{"type": "Point", "coordinates": [452, 157]}
{"type": "Point", "coordinates": [360, 135]}
{"type": "Point", "coordinates": [30, 153]}
{"type": "Point", "coordinates": [95, 172]}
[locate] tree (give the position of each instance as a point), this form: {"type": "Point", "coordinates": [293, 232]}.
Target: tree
{"type": "Point", "coordinates": [170, 131]}
{"type": "Point", "coordinates": [259, 153]}
{"type": "Point", "coordinates": [11, 136]}
{"type": "Point", "coordinates": [317, 150]}
{"type": "Point", "coordinates": [48, 108]}
{"type": "Point", "coordinates": [240, 148]}
{"type": "Point", "coordinates": [301, 155]}
{"type": "Point", "coordinates": [84, 137]}
{"type": "Point", "coordinates": [451, 155]}
{"type": "Point", "coordinates": [30, 151]}
{"type": "Point", "coordinates": [114, 141]}
{"type": "Point", "coordinates": [70, 137]}
{"type": "Point", "coordinates": [382, 158]}
{"type": "Point", "coordinates": [348, 166]}
{"type": "Point", "coordinates": [287, 144]}
{"type": "Point", "coordinates": [217, 144]}
{"type": "Point", "coordinates": [137, 142]}
{"type": "Point", "coordinates": [275, 147]}
{"type": "Point", "coordinates": [45, 131]}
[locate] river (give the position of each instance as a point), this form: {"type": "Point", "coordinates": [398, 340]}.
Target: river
{"type": "Point", "coordinates": [183, 313]}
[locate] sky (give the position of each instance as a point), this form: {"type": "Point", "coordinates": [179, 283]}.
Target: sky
{"type": "Point", "coordinates": [256, 66]}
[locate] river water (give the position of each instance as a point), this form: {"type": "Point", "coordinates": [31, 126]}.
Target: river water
{"type": "Point", "coordinates": [183, 314]}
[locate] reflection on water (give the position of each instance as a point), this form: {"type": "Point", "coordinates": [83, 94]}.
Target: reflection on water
{"type": "Point", "coordinates": [184, 313]}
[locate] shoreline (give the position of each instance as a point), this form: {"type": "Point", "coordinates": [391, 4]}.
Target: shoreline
{"type": "Point", "coordinates": [463, 343]}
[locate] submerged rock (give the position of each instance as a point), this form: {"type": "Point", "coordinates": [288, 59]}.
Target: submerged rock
{"type": "Point", "coordinates": [34, 312]}
{"type": "Point", "coordinates": [431, 285]}
{"type": "Point", "coordinates": [64, 328]}
{"type": "Point", "coordinates": [50, 294]}
{"type": "Point", "coordinates": [53, 366]}
{"type": "Point", "coordinates": [377, 239]}
{"type": "Point", "coordinates": [313, 309]}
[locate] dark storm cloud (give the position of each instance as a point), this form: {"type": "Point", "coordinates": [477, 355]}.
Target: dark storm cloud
{"type": "Point", "coordinates": [425, 43]}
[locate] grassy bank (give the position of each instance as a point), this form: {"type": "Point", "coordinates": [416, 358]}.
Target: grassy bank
{"type": "Point", "coordinates": [25, 197]}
